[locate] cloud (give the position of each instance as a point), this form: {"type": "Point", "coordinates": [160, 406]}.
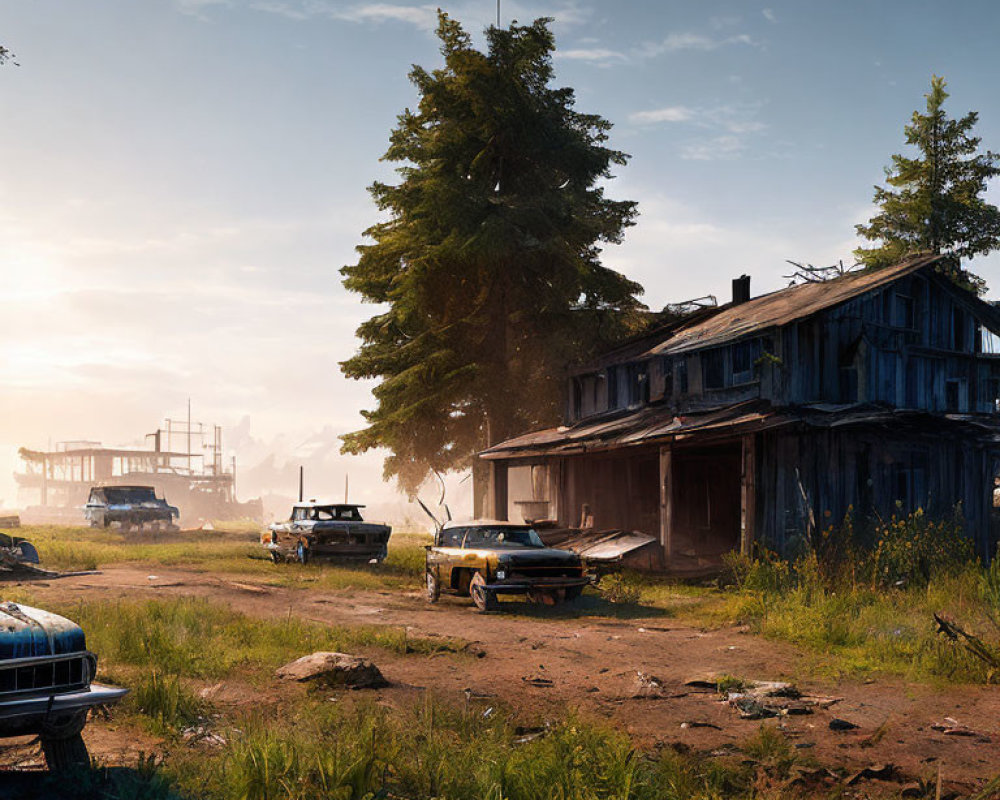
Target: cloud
{"type": "Point", "coordinates": [676, 42]}
{"type": "Point", "coordinates": [596, 55]}
{"type": "Point", "coordinates": [197, 8]}
{"type": "Point", "coordinates": [769, 14]}
{"type": "Point", "coordinates": [667, 114]}
{"type": "Point", "coordinates": [730, 122]}
{"type": "Point", "coordinates": [716, 148]}
{"type": "Point", "coordinates": [423, 17]}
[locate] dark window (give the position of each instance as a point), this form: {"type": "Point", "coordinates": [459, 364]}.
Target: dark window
{"type": "Point", "coordinates": [577, 409]}
{"type": "Point", "coordinates": [951, 395]}
{"type": "Point", "coordinates": [612, 387]}
{"type": "Point", "coordinates": [714, 365]}
{"type": "Point", "coordinates": [682, 376]}
{"type": "Point", "coordinates": [848, 384]}
{"type": "Point", "coordinates": [957, 329]}
{"type": "Point", "coordinates": [904, 312]}
{"type": "Point", "coordinates": [668, 377]}
{"type": "Point", "coordinates": [744, 354]}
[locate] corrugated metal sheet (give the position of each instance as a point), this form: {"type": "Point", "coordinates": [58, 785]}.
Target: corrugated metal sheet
{"type": "Point", "coordinates": [639, 427]}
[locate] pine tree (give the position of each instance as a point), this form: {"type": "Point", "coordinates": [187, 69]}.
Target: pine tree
{"type": "Point", "coordinates": [488, 261]}
{"type": "Point", "coordinates": [934, 201]}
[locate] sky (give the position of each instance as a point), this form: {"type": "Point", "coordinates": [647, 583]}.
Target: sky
{"type": "Point", "coordinates": [182, 180]}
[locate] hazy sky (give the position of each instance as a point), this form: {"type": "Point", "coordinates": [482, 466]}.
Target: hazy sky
{"type": "Point", "coordinates": [183, 178]}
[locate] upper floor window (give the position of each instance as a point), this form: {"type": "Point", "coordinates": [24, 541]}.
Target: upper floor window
{"type": "Point", "coordinates": [744, 354]}
{"type": "Point", "coordinates": [904, 312]}
{"type": "Point", "coordinates": [714, 367]}
{"type": "Point", "coordinates": [957, 329]}
{"type": "Point", "coordinates": [612, 387]}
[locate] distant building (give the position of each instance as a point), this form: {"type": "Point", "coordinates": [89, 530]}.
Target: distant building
{"type": "Point", "coordinates": [761, 419]}
{"type": "Point", "coordinates": [53, 486]}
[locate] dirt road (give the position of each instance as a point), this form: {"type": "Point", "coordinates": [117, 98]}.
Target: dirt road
{"type": "Point", "coordinates": [541, 667]}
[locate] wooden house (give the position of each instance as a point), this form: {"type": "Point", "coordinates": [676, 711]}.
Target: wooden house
{"type": "Point", "coordinates": [762, 419]}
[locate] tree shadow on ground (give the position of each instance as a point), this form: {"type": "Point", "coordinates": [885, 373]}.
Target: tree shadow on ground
{"type": "Point", "coordinates": [143, 782]}
{"type": "Point", "coordinates": [586, 606]}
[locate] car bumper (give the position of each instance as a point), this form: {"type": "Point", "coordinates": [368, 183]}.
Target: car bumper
{"type": "Point", "coordinates": [518, 585]}
{"type": "Point", "coordinates": [52, 705]}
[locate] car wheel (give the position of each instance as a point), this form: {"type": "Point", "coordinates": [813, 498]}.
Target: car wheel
{"type": "Point", "coordinates": [573, 592]}
{"type": "Point", "coordinates": [276, 557]}
{"type": "Point", "coordinates": [302, 551]}
{"type": "Point", "coordinates": [63, 753]}
{"type": "Point", "coordinates": [485, 599]}
{"type": "Point", "coordinates": [433, 586]}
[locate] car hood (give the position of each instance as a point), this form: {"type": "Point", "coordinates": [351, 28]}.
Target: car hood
{"type": "Point", "coordinates": [536, 556]}
{"type": "Point", "coordinates": [27, 632]}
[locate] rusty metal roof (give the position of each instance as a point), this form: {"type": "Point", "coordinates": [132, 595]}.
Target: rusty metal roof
{"type": "Point", "coordinates": [643, 426]}
{"type": "Point", "coordinates": [782, 307]}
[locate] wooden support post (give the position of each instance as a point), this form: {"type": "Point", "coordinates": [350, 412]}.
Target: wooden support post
{"type": "Point", "coordinates": [497, 497]}
{"type": "Point", "coordinates": [666, 503]}
{"type": "Point", "coordinates": [748, 495]}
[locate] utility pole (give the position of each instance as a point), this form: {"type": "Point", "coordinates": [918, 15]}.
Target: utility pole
{"type": "Point", "coordinates": [189, 436]}
{"type": "Point", "coordinates": [498, 13]}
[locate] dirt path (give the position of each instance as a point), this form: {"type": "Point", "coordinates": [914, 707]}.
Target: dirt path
{"type": "Point", "coordinates": [592, 664]}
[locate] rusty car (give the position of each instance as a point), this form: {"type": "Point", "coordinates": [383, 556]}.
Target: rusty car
{"type": "Point", "coordinates": [327, 530]}
{"type": "Point", "coordinates": [46, 682]}
{"type": "Point", "coordinates": [488, 558]}
{"type": "Point", "coordinates": [129, 507]}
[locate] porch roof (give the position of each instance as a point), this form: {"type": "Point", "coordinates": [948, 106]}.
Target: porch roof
{"type": "Point", "coordinates": [643, 426]}
{"type": "Point", "coordinates": [658, 424]}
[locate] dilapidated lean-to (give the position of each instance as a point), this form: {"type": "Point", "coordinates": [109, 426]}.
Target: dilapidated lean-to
{"type": "Point", "coordinates": [761, 419]}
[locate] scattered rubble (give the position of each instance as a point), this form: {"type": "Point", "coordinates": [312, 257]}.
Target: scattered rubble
{"type": "Point", "coordinates": [952, 727]}
{"type": "Point", "coordinates": [334, 669]}
{"type": "Point", "coordinates": [763, 699]}
{"type": "Point", "coordinates": [837, 724]}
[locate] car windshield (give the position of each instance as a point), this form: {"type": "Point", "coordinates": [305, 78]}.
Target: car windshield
{"type": "Point", "coordinates": [118, 495]}
{"type": "Point", "coordinates": [502, 537]}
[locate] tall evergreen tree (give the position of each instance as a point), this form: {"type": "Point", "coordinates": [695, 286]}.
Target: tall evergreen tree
{"type": "Point", "coordinates": [933, 202]}
{"type": "Point", "coordinates": [488, 261]}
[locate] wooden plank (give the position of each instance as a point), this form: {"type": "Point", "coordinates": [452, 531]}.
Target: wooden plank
{"type": "Point", "coordinates": [748, 495]}
{"type": "Point", "coordinates": [666, 503]}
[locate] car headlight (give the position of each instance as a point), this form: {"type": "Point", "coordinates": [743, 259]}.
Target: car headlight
{"type": "Point", "coordinates": [501, 574]}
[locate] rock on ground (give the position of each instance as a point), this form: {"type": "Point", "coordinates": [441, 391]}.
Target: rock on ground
{"type": "Point", "coordinates": [334, 669]}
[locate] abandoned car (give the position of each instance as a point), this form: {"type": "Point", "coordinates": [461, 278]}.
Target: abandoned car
{"type": "Point", "coordinates": [488, 558]}
{"type": "Point", "coordinates": [321, 530]}
{"type": "Point", "coordinates": [45, 682]}
{"type": "Point", "coordinates": [130, 507]}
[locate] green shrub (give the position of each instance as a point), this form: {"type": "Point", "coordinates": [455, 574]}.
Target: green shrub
{"type": "Point", "coordinates": [914, 548]}
{"type": "Point", "coordinates": [617, 588]}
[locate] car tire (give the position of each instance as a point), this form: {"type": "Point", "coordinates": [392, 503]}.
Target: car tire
{"type": "Point", "coordinates": [485, 599]}
{"type": "Point", "coordinates": [573, 592]}
{"type": "Point", "coordinates": [302, 551]}
{"type": "Point", "coordinates": [433, 587]}
{"type": "Point", "coordinates": [65, 752]}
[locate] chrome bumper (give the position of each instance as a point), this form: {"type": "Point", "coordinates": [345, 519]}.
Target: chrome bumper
{"type": "Point", "coordinates": [57, 704]}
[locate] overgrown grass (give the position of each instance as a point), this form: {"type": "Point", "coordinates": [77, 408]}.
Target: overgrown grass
{"type": "Point", "coordinates": [196, 638]}
{"type": "Point", "coordinates": [234, 550]}
{"type": "Point", "coordinates": [429, 750]}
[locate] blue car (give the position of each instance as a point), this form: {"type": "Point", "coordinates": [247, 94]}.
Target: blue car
{"type": "Point", "coordinates": [46, 682]}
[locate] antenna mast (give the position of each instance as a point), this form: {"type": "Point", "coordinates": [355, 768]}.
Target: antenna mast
{"type": "Point", "coordinates": [498, 13]}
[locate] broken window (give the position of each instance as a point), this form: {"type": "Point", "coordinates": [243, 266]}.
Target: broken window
{"type": "Point", "coordinates": [714, 368]}
{"type": "Point", "coordinates": [682, 376]}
